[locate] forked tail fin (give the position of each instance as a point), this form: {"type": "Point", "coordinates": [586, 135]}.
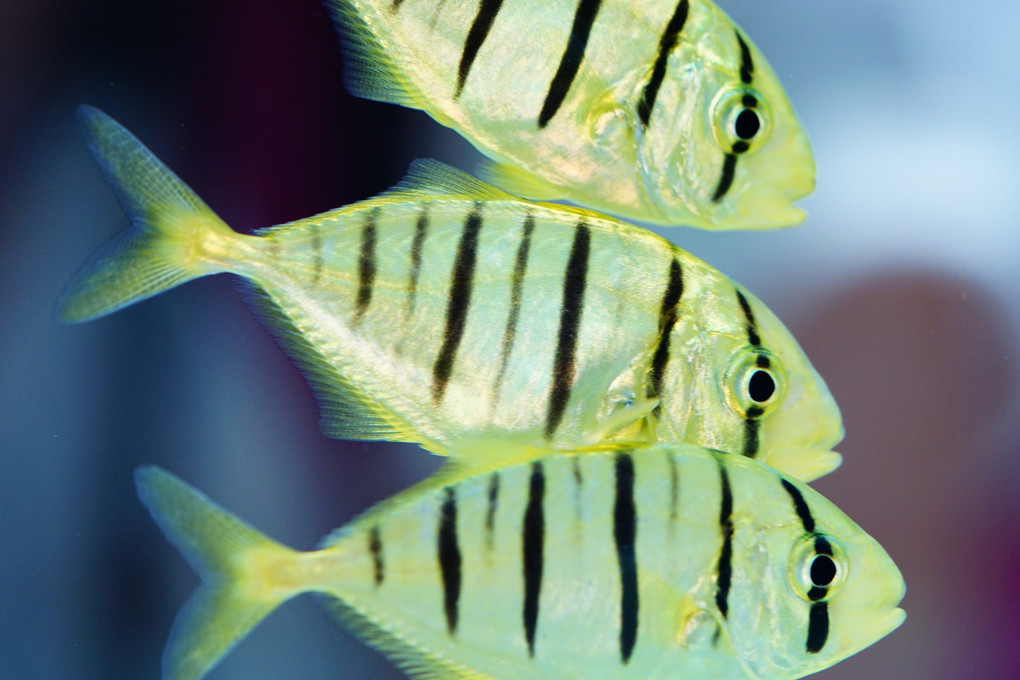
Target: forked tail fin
{"type": "Point", "coordinates": [245, 575]}
{"type": "Point", "coordinates": [161, 249]}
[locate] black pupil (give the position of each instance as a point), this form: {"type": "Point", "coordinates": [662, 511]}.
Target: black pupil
{"type": "Point", "coordinates": [747, 125]}
{"type": "Point", "coordinates": [823, 570]}
{"type": "Point", "coordinates": [761, 386]}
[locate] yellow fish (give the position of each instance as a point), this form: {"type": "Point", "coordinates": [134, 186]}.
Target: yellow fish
{"type": "Point", "coordinates": [663, 112]}
{"type": "Point", "coordinates": [446, 311]}
{"type": "Point", "coordinates": [665, 561]}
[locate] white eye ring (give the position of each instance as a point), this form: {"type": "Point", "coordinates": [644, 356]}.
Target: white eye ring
{"type": "Point", "coordinates": [740, 120]}
{"type": "Point", "coordinates": [818, 567]}
{"type": "Point", "coordinates": [755, 382]}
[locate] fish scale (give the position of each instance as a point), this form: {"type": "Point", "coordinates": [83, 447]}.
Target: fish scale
{"type": "Point", "coordinates": [446, 311]}
{"type": "Point", "coordinates": [659, 111]}
{"type": "Point", "coordinates": [592, 559]}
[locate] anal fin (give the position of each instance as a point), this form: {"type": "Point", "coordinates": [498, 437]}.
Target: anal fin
{"type": "Point", "coordinates": [346, 411]}
{"type": "Point", "coordinates": [369, 72]}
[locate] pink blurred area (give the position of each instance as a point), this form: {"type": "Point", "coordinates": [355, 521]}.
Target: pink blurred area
{"type": "Point", "coordinates": [905, 303]}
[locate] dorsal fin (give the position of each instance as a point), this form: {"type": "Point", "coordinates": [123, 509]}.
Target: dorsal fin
{"type": "Point", "coordinates": [428, 178]}
{"type": "Point", "coordinates": [519, 182]}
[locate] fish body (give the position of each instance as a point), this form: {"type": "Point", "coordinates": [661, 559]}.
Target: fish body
{"type": "Point", "coordinates": [446, 311]}
{"type": "Point", "coordinates": [663, 112]}
{"type": "Point", "coordinates": [663, 561]}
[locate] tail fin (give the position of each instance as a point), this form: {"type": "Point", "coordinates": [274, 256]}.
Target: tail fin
{"type": "Point", "coordinates": [162, 247]}
{"type": "Point", "coordinates": [244, 574]}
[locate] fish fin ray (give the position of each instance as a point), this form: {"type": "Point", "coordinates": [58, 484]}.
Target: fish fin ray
{"type": "Point", "coordinates": [162, 247]}
{"type": "Point", "coordinates": [518, 181]}
{"type": "Point", "coordinates": [369, 71]}
{"type": "Point", "coordinates": [626, 422]}
{"type": "Point", "coordinates": [416, 662]}
{"type": "Point", "coordinates": [228, 555]}
{"type": "Point", "coordinates": [346, 412]}
{"type": "Point", "coordinates": [427, 177]}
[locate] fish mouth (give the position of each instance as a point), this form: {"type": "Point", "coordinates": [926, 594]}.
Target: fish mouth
{"type": "Point", "coordinates": [891, 622]}
{"type": "Point", "coordinates": [875, 630]}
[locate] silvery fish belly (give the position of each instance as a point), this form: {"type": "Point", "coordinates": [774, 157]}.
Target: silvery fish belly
{"type": "Point", "coordinates": [659, 111]}
{"type": "Point", "coordinates": [664, 561]}
{"type": "Point", "coordinates": [445, 312]}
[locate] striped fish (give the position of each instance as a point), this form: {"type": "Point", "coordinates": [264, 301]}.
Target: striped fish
{"type": "Point", "coordinates": [667, 561]}
{"type": "Point", "coordinates": [663, 112]}
{"type": "Point", "coordinates": [446, 311]}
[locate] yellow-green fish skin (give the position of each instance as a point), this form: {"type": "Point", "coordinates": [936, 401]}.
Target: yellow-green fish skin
{"type": "Point", "coordinates": [672, 115]}
{"type": "Point", "coordinates": [446, 311]}
{"type": "Point", "coordinates": [663, 561]}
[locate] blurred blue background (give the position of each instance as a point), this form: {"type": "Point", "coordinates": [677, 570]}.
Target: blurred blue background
{"type": "Point", "coordinates": [902, 287]}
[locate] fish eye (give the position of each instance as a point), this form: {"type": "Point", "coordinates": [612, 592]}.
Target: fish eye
{"type": "Point", "coordinates": [818, 567]}
{"type": "Point", "coordinates": [761, 386]}
{"type": "Point", "coordinates": [740, 120]}
{"type": "Point", "coordinates": [823, 571]}
{"type": "Point", "coordinates": [747, 124]}
{"type": "Point", "coordinates": [754, 382]}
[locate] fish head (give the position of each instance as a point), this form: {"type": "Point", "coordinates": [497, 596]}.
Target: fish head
{"type": "Point", "coordinates": [810, 587]}
{"type": "Point", "coordinates": [744, 385]}
{"type": "Point", "coordinates": [723, 147]}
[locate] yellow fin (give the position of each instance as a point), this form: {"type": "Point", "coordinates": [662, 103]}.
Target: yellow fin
{"type": "Point", "coordinates": [230, 557]}
{"type": "Point", "coordinates": [369, 72]}
{"type": "Point", "coordinates": [160, 250]}
{"type": "Point", "coordinates": [412, 659]}
{"type": "Point", "coordinates": [519, 182]}
{"type": "Point", "coordinates": [626, 420]}
{"type": "Point", "coordinates": [346, 412]}
{"type": "Point", "coordinates": [429, 178]}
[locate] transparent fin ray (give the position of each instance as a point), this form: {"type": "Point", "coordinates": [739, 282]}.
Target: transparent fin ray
{"type": "Point", "coordinates": [168, 222]}
{"type": "Point", "coordinates": [227, 554]}
{"type": "Point", "coordinates": [369, 71]}
{"type": "Point", "coordinates": [346, 412]}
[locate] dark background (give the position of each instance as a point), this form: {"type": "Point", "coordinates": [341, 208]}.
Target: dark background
{"type": "Point", "coordinates": [902, 287]}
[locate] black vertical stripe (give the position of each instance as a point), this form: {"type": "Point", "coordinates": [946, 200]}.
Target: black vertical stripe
{"type": "Point", "coordinates": [752, 327]}
{"type": "Point", "coordinates": [490, 514]}
{"type": "Point", "coordinates": [726, 178]}
{"type": "Point", "coordinates": [800, 506]}
{"type": "Point", "coordinates": [746, 65]}
{"type": "Point", "coordinates": [667, 319]}
{"type": "Point", "coordinates": [375, 547]}
{"type": "Point", "coordinates": [420, 230]}
{"type": "Point", "coordinates": [570, 62]}
{"type": "Point", "coordinates": [487, 11]}
{"type": "Point", "coordinates": [533, 553]}
{"type": "Point", "coordinates": [449, 559]}
{"type": "Point", "coordinates": [570, 320]}
{"type": "Point", "coordinates": [625, 533]}
{"type": "Point", "coordinates": [818, 627]}
{"type": "Point", "coordinates": [751, 429]}
{"type": "Point", "coordinates": [818, 618]}
{"type": "Point", "coordinates": [462, 280]}
{"type": "Point", "coordinates": [666, 44]}
{"type": "Point", "coordinates": [317, 263]}
{"type": "Point", "coordinates": [516, 287]}
{"type": "Point", "coordinates": [366, 265]}
{"type": "Point", "coordinates": [724, 570]}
